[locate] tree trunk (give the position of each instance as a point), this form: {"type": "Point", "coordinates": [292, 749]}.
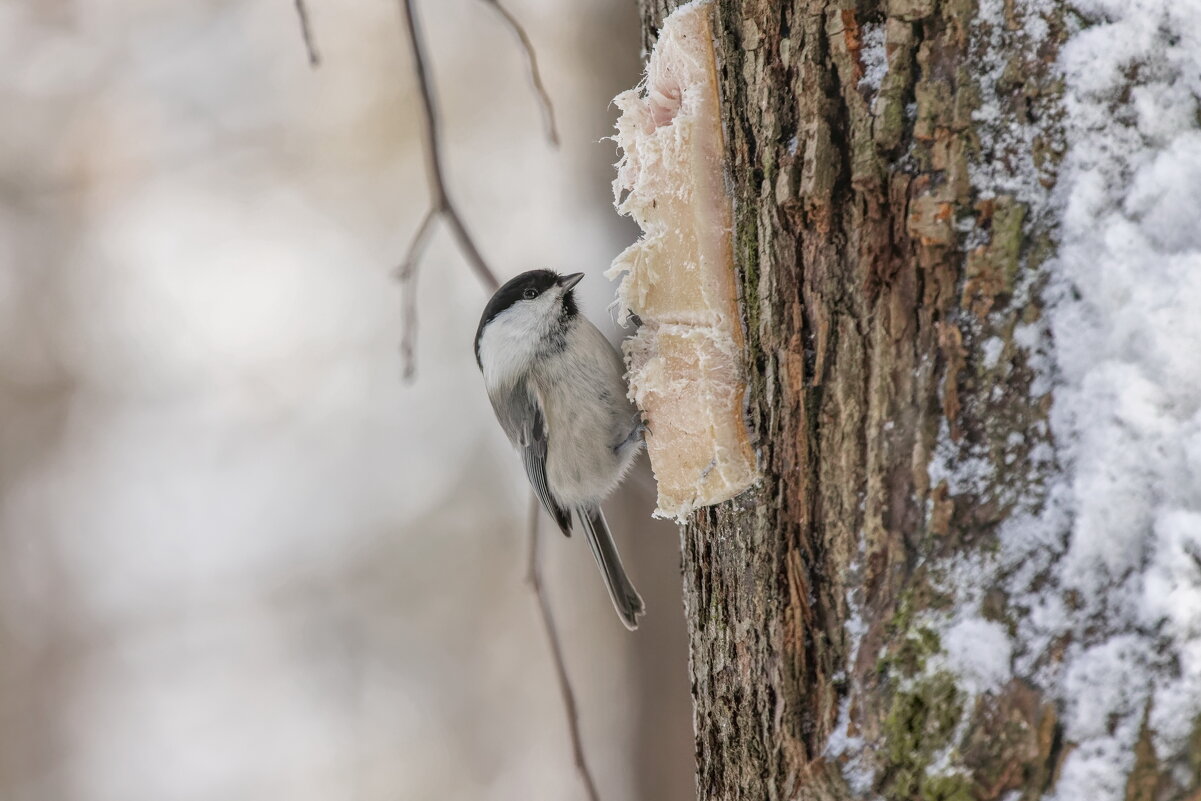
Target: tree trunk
{"type": "Point", "coordinates": [881, 292]}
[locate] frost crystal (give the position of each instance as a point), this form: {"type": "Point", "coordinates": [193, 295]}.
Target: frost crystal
{"type": "Point", "coordinates": [874, 57]}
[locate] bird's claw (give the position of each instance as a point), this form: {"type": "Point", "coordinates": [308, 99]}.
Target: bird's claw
{"type": "Point", "coordinates": [644, 426]}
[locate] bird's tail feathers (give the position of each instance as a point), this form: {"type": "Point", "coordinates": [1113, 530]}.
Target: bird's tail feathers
{"type": "Point", "coordinates": [625, 598]}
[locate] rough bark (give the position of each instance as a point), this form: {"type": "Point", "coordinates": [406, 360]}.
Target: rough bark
{"type": "Point", "coordinates": [866, 307]}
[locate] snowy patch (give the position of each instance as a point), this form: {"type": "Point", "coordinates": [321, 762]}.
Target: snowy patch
{"type": "Point", "coordinates": [873, 57]}
{"type": "Point", "coordinates": [1108, 559]}
{"type": "Point", "coordinates": [964, 471]}
{"type": "Point", "coordinates": [856, 768]}
{"type": "Point", "coordinates": [849, 748]}
{"type": "Point", "coordinates": [978, 652]}
{"type": "Point", "coordinates": [1126, 321]}
{"type": "Point", "coordinates": [992, 349]}
{"type": "Point", "coordinates": [1007, 165]}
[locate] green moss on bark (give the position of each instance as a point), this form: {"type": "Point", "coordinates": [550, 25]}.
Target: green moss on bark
{"type": "Point", "coordinates": [920, 724]}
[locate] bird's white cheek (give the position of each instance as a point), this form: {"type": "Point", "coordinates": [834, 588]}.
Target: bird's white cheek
{"type": "Point", "coordinates": [507, 346]}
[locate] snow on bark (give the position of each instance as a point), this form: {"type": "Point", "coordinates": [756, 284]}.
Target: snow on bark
{"type": "Point", "coordinates": [1125, 319]}
{"type": "Point", "coordinates": [1103, 564]}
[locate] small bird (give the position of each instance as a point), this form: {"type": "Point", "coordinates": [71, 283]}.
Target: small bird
{"type": "Point", "coordinates": [556, 386]}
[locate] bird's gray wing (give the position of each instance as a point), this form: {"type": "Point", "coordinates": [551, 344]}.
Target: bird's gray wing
{"type": "Point", "coordinates": [521, 416]}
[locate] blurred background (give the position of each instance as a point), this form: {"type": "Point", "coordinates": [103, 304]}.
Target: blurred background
{"type": "Point", "coordinates": [239, 557]}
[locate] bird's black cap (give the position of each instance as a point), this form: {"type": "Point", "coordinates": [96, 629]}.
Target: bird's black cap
{"type": "Point", "coordinates": [514, 290]}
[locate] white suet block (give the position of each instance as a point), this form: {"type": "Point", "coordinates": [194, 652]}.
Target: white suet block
{"type": "Point", "coordinates": [686, 359]}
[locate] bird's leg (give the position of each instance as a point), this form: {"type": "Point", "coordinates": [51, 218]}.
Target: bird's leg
{"type": "Point", "coordinates": [637, 434]}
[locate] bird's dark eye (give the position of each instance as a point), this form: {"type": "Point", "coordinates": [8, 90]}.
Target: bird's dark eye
{"type": "Point", "coordinates": [529, 293]}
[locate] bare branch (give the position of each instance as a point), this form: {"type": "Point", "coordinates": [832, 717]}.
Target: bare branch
{"type": "Point", "coordinates": [442, 206]}
{"type": "Point", "coordinates": [306, 32]}
{"type": "Point", "coordinates": [534, 578]}
{"type": "Point", "coordinates": [531, 62]}
{"type": "Point", "coordinates": [440, 202]}
{"type": "Point", "coordinates": [406, 273]}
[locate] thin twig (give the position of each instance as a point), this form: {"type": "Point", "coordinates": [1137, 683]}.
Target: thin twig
{"type": "Point", "coordinates": [533, 577]}
{"type": "Point", "coordinates": [440, 202]}
{"type": "Point", "coordinates": [306, 33]}
{"type": "Point", "coordinates": [531, 63]}
{"type": "Point", "coordinates": [406, 273]}
{"type": "Point", "coordinates": [442, 206]}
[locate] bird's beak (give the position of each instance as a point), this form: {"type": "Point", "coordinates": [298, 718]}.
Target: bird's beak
{"type": "Point", "coordinates": [568, 281]}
